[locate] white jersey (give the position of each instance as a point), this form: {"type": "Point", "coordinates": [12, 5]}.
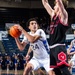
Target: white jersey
{"type": "Point", "coordinates": [73, 61]}
{"type": "Point", "coordinates": [73, 43]}
{"type": "Point", "coordinates": [73, 57]}
{"type": "Point", "coordinates": [40, 47]}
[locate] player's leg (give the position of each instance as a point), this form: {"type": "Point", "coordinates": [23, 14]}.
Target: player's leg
{"type": "Point", "coordinates": [53, 59]}
{"type": "Point", "coordinates": [31, 65]}
{"type": "Point", "coordinates": [70, 67]}
{"type": "Point", "coordinates": [33, 73]}
{"type": "Point", "coordinates": [46, 65]}
{"type": "Point", "coordinates": [27, 69]}
{"type": "Point", "coordinates": [65, 70]}
{"type": "Point", "coordinates": [25, 65]}
{"type": "Point", "coordinates": [41, 71]}
{"type": "Point", "coordinates": [64, 66]}
{"type": "Point", "coordinates": [57, 71]}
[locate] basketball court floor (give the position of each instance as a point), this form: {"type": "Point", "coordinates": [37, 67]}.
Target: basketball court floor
{"type": "Point", "coordinates": [19, 72]}
{"type": "Point", "coordinates": [16, 72]}
{"type": "Point", "coordinates": [11, 72]}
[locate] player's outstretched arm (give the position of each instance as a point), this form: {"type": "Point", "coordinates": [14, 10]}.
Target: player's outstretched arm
{"type": "Point", "coordinates": [48, 7]}
{"type": "Point", "coordinates": [21, 45]}
{"type": "Point", "coordinates": [62, 10]}
{"type": "Point", "coordinates": [30, 38]}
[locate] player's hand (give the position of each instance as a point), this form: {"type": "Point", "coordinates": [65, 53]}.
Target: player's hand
{"type": "Point", "coordinates": [27, 57]}
{"type": "Point", "coordinates": [19, 27]}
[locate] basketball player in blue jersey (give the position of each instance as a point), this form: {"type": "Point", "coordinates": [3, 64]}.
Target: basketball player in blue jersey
{"type": "Point", "coordinates": [38, 43]}
{"type": "Point", "coordinates": [58, 27]}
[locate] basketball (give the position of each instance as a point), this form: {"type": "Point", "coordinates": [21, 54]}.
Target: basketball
{"type": "Point", "coordinates": [14, 32]}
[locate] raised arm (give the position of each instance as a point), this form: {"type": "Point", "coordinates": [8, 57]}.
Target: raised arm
{"type": "Point", "coordinates": [30, 38]}
{"type": "Point", "coordinates": [21, 45]}
{"type": "Point", "coordinates": [48, 7]}
{"type": "Point", "coordinates": [62, 11]}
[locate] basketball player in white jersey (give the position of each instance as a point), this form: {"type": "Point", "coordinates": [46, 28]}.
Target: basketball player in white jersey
{"type": "Point", "coordinates": [72, 45]}
{"type": "Point", "coordinates": [72, 53]}
{"type": "Point", "coordinates": [38, 43]}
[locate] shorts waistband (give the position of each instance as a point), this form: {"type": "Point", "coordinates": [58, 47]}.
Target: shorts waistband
{"type": "Point", "coordinates": [55, 45]}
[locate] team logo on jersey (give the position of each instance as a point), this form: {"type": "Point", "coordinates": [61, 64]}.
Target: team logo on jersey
{"type": "Point", "coordinates": [62, 56]}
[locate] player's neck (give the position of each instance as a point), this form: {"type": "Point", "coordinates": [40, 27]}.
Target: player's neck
{"type": "Point", "coordinates": [32, 32]}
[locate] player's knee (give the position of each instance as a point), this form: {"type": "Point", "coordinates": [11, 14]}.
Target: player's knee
{"type": "Point", "coordinates": [29, 67]}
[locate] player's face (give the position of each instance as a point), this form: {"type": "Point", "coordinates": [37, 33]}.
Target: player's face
{"type": "Point", "coordinates": [33, 26]}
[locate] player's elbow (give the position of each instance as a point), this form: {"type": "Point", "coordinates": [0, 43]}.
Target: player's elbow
{"type": "Point", "coordinates": [21, 49]}
{"type": "Point", "coordinates": [31, 41]}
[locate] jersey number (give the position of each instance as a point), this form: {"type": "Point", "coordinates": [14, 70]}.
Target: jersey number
{"type": "Point", "coordinates": [34, 47]}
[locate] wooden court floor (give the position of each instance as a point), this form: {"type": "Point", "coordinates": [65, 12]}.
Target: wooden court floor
{"type": "Point", "coordinates": [19, 72]}
{"type": "Point", "coordinates": [11, 72]}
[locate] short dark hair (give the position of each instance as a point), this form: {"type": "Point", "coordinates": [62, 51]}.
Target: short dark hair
{"type": "Point", "coordinates": [31, 19]}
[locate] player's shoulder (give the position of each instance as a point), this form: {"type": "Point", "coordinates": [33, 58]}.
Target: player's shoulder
{"type": "Point", "coordinates": [73, 40]}
{"type": "Point", "coordinates": [40, 30]}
